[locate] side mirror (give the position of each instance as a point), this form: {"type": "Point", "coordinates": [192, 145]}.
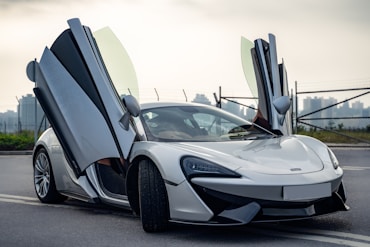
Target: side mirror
{"type": "Point", "coordinates": [31, 70]}
{"type": "Point", "coordinates": [131, 105]}
{"type": "Point", "coordinates": [282, 104]}
{"type": "Point", "coordinates": [133, 109]}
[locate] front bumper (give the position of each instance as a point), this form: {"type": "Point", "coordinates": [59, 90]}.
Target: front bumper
{"type": "Point", "coordinates": [199, 204]}
{"type": "Point", "coordinates": [237, 210]}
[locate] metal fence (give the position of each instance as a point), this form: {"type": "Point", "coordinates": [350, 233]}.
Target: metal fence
{"type": "Point", "coordinates": [307, 118]}
{"type": "Point", "coordinates": [248, 109]}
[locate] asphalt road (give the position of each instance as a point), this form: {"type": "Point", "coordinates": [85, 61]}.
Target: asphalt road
{"type": "Point", "coordinates": [24, 221]}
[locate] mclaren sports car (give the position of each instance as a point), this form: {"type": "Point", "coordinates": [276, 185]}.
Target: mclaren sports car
{"type": "Point", "coordinates": [173, 162]}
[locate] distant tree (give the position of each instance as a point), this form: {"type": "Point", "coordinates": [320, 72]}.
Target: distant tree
{"type": "Point", "coordinates": [301, 128]}
{"type": "Point", "coordinates": [340, 126]}
{"type": "Point", "coordinates": [331, 125]}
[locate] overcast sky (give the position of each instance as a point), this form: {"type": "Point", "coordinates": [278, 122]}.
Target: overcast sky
{"type": "Point", "coordinates": [195, 44]}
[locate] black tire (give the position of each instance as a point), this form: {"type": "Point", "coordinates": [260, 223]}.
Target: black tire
{"type": "Point", "coordinates": [154, 209]}
{"type": "Point", "coordinates": [43, 179]}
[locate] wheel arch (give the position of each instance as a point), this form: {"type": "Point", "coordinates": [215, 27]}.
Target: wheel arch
{"type": "Point", "coordinates": [52, 195]}
{"type": "Point", "coordinates": [37, 148]}
{"type": "Point", "coordinates": [132, 181]}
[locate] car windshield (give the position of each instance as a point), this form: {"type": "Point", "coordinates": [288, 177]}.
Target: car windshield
{"type": "Point", "coordinates": [197, 123]}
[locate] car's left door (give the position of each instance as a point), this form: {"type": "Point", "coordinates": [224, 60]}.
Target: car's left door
{"type": "Point", "coordinates": [74, 88]}
{"type": "Point", "coordinates": [268, 82]}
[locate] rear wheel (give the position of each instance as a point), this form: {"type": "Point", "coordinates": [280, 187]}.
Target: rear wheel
{"type": "Point", "coordinates": [154, 209]}
{"type": "Point", "coordinates": [44, 179]}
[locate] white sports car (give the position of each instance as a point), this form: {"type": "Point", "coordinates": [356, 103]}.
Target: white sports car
{"type": "Point", "coordinates": [173, 162]}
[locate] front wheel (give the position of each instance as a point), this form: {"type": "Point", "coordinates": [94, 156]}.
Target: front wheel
{"type": "Point", "coordinates": [154, 209]}
{"type": "Point", "coordinates": [44, 179]}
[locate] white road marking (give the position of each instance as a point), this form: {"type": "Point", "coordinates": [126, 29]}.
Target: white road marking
{"type": "Point", "coordinates": [325, 233]}
{"type": "Point", "coordinates": [19, 197]}
{"type": "Point", "coordinates": [26, 200]}
{"type": "Point", "coordinates": [326, 236]}
{"type": "Point", "coordinates": [355, 168]}
{"type": "Point", "coordinates": [337, 234]}
{"type": "Point", "coordinates": [20, 201]}
{"type": "Point", "coordinates": [313, 237]}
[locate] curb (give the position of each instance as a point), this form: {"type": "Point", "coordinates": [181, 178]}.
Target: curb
{"type": "Point", "coordinates": [20, 152]}
{"type": "Point", "coordinates": [345, 145]}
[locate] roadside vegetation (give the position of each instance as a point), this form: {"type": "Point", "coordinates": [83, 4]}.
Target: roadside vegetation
{"type": "Point", "coordinates": [18, 141]}
{"type": "Point", "coordinates": [341, 136]}
{"type": "Point", "coordinates": [25, 139]}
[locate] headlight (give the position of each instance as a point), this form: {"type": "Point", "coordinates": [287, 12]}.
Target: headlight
{"type": "Point", "coordinates": [333, 159]}
{"type": "Point", "coordinates": [196, 167]}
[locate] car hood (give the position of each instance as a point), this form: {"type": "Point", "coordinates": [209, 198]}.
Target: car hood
{"type": "Point", "coordinates": [283, 155]}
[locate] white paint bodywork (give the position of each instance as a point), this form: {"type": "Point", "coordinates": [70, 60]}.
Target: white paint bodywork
{"type": "Point", "coordinates": [266, 168]}
{"type": "Point", "coordinates": [91, 123]}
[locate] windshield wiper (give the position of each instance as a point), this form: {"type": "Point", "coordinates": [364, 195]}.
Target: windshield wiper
{"type": "Point", "coordinates": [247, 135]}
{"type": "Point", "coordinates": [264, 129]}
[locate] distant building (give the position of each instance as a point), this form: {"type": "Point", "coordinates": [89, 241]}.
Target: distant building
{"type": "Point", "coordinates": [330, 117]}
{"type": "Point", "coordinates": [358, 105]}
{"type": "Point", "coordinates": [8, 122]}
{"type": "Point", "coordinates": [251, 112]}
{"type": "Point", "coordinates": [329, 112]}
{"type": "Point", "coordinates": [231, 107]}
{"type": "Point", "coordinates": [202, 99]}
{"type": "Point", "coordinates": [311, 105]}
{"type": "Point", "coordinates": [26, 109]}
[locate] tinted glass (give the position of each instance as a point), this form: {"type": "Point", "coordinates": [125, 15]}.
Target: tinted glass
{"type": "Point", "coordinates": [195, 123]}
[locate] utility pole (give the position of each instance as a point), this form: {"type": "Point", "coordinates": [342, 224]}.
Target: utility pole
{"type": "Point", "coordinates": [19, 116]}
{"type": "Point", "coordinates": [35, 130]}
{"type": "Point", "coordinates": [296, 108]}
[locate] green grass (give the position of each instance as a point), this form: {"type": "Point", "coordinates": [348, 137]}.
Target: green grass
{"type": "Point", "coordinates": [330, 137]}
